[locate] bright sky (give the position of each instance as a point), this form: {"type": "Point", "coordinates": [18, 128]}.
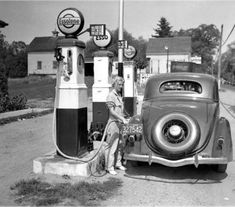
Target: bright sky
{"type": "Point", "coordinates": [29, 19]}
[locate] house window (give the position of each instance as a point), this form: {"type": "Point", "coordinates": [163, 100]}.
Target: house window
{"type": "Point", "coordinates": [55, 64]}
{"type": "Point", "coordinates": [39, 65]}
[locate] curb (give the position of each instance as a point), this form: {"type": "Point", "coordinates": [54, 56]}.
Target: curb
{"type": "Point", "coordinates": [12, 116]}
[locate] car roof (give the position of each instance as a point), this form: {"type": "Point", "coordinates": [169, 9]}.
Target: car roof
{"type": "Point", "coordinates": [208, 83]}
{"type": "Point", "coordinates": [198, 77]}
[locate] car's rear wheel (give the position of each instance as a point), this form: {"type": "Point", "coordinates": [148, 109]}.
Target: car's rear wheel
{"type": "Point", "coordinates": [175, 133]}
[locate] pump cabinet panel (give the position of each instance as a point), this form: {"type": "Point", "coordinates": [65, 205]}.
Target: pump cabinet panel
{"type": "Point", "coordinates": [71, 125]}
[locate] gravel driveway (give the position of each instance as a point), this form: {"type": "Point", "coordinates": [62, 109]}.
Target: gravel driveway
{"type": "Point", "coordinates": [23, 141]}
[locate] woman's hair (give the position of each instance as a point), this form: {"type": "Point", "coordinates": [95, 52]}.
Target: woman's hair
{"type": "Point", "coordinates": [116, 79]}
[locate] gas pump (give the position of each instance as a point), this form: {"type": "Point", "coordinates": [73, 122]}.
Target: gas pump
{"type": "Point", "coordinates": [130, 77]}
{"type": "Point", "coordinates": [102, 83]}
{"type": "Point", "coordinates": [71, 91]}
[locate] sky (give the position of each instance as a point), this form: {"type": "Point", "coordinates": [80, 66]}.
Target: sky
{"type": "Point", "coordinates": [29, 19]}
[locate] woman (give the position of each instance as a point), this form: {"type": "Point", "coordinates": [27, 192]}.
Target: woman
{"type": "Point", "coordinates": [115, 105]}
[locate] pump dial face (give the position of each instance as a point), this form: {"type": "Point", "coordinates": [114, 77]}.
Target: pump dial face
{"type": "Point", "coordinates": [70, 21]}
{"type": "Point", "coordinates": [80, 63]}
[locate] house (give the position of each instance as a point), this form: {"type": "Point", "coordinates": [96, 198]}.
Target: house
{"type": "Point", "coordinates": [41, 60]}
{"type": "Point", "coordinates": [161, 51]}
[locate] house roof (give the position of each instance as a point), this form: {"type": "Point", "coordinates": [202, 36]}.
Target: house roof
{"type": "Point", "coordinates": [43, 44]}
{"type": "Point", "coordinates": [176, 45]}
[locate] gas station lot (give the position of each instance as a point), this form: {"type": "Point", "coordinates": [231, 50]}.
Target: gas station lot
{"type": "Point", "coordinates": [21, 142]}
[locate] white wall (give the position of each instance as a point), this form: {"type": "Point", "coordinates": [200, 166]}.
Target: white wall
{"type": "Point", "coordinates": [158, 63]}
{"type": "Point", "coordinates": [46, 58]}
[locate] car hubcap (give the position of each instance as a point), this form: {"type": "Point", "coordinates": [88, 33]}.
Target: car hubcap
{"type": "Point", "coordinates": [175, 131]}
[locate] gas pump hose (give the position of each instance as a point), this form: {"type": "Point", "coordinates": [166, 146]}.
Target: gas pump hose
{"type": "Point", "coordinates": [76, 158]}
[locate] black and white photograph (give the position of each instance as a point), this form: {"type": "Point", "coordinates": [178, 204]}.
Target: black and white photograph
{"type": "Point", "coordinates": [117, 103]}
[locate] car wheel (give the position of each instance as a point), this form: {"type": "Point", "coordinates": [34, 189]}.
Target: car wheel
{"type": "Point", "coordinates": [175, 133]}
{"type": "Point", "coordinates": [220, 168]}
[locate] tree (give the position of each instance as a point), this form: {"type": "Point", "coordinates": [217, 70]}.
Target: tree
{"type": "Point", "coordinates": [228, 63]}
{"type": "Point", "coordinates": [16, 60]}
{"type": "Point", "coordinates": [205, 39]}
{"type": "Point", "coordinates": [140, 45]}
{"type": "Point", "coordinates": [4, 96]}
{"type": "Point", "coordinates": [164, 29]}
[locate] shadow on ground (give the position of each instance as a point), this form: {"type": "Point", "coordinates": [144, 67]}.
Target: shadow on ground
{"type": "Point", "coordinates": [182, 175]}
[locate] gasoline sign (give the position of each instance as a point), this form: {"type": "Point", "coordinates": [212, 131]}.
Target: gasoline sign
{"type": "Point", "coordinates": [70, 21]}
{"type": "Point", "coordinates": [103, 41]}
{"type": "Point", "coordinates": [130, 52]}
{"type": "Point", "coordinates": [97, 29]}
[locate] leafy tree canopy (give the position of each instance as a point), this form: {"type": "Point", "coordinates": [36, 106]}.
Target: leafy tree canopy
{"type": "Point", "coordinates": [205, 40]}
{"type": "Point", "coordinates": [228, 63]}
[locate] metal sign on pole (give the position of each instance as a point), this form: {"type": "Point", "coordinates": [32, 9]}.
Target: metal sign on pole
{"type": "Point", "coordinates": [122, 44]}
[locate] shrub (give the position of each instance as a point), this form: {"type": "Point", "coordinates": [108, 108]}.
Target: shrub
{"type": "Point", "coordinates": [17, 102]}
{"type": "Point", "coordinates": [4, 101]}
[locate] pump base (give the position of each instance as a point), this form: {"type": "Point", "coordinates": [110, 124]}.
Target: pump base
{"type": "Point", "coordinates": [51, 163]}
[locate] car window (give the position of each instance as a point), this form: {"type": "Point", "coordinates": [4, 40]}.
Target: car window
{"type": "Point", "coordinates": [180, 86]}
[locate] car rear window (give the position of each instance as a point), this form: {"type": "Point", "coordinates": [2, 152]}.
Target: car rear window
{"type": "Point", "coordinates": [180, 86]}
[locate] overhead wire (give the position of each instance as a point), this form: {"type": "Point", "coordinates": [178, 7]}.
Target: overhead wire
{"type": "Point", "coordinates": [224, 106]}
{"type": "Point", "coordinates": [229, 35]}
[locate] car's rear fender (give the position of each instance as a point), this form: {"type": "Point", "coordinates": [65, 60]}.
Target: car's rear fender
{"type": "Point", "coordinates": [222, 145]}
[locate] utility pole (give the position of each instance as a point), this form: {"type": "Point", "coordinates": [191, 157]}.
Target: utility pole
{"type": "Point", "coordinates": [120, 38]}
{"type": "Point", "coordinates": [219, 60]}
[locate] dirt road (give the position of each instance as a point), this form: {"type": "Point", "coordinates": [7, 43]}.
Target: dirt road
{"type": "Point", "coordinates": [23, 141]}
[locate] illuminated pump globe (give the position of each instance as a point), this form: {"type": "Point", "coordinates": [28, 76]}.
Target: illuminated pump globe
{"type": "Point", "coordinates": [70, 22]}
{"type": "Point", "coordinates": [130, 52]}
{"type": "Point", "coordinates": [103, 41]}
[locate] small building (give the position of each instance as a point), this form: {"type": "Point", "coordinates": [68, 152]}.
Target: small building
{"type": "Point", "coordinates": [41, 51]}
{"type": "Point", "coordinates": [41, 60]}
{"type": "Point", "coordinates": [161, 51]}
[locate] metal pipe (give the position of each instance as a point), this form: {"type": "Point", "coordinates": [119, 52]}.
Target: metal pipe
{"type": "Point", "coordinates": [219, 61]}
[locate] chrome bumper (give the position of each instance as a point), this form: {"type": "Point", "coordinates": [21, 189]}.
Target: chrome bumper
{"type": "Point", "coordinates": [195, 160]}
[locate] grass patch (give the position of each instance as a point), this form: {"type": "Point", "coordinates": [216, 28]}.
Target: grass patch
{"type": "Point", "coordinates": [38, 193]}
{"type": "Point", "coordinates": [39, 90]}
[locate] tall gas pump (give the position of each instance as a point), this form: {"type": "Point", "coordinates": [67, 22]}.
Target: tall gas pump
{"type": "Point", "coordinates": [102, 82]}
{"type": "Point", "coordinates": [71, 91]}
{"type": "Point", "coordinates": [130, 77]}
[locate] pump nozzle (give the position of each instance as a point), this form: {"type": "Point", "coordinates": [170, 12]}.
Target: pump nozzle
{"type": "Point", "coordinates": [58, 54]}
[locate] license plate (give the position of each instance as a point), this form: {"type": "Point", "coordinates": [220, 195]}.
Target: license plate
{"type": "Point", "coordinates": [132, 129]}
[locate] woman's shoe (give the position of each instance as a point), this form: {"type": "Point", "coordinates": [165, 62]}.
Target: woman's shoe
{"type": "Point", "coordinates": [121, 168]}
{"type": "Point", "coordinates": [112, 172]}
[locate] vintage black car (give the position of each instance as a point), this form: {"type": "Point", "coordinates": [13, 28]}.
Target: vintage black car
{"type": "Point", "coordinates": [180, 123]}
